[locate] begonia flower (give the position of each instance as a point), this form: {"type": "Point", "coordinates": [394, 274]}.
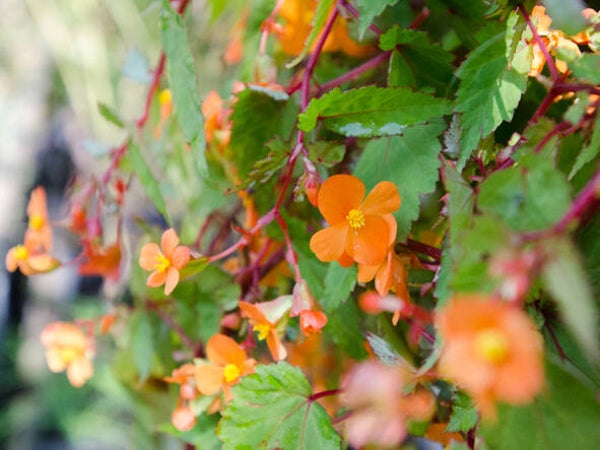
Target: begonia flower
{"type": "Point", "coordinates": [68, 348]}
{"type": "Point", "coordinates": [165, 261]}
{"type": "Point", "coordinates": [39, 231]}
{"type": "Point", "coordinates": [29, 260]}
{"type": "Point", "coordinates": [492, 350]}
{"type": "Point", "coordinates": [101, 261]}
{"type": "Point", "coordinates": [359, 227]}
{"type": "Point", "coordinates": [265, 318]}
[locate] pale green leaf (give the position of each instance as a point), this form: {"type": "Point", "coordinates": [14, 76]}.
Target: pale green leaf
{"type": "Point", "coordinates": [141, 342]}
{"type": "Point", "coordinates": [566, 15]}
{"type": "Point", "coordinates": [369, 9]}
{"type": "Point", "coordinates": [110, 115]}
{"type": "Point", "coordinates": [272, 409]}
{"type": "Point", "coordinates": [372, 111]}
{"type": "Point", "coordinates": [590, 151]}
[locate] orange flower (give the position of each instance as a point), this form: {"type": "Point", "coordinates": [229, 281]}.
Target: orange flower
{"type": "Point", "coordinates": [266, 318]}
{"type": "Point", "coordinates": [360, 227]}
{"type": "Point", "coordinates": [39, 232]}
{"type": "Point", "coordinates": [304, 305]}
{"type": "Point", "coordinates": [29, 261]}
{"type": "Point", "coordinates": [68, 348]}
{"type": "Point", "coordinates": [101, 261]}
{"type": "Point", "coordinates": [298, 17]}
{"type": "Point", "coordinates": [227, 363]}
{"type": "Point", "coordinates": [492, 350]}
{"type": "Point", "coordinates": [165, 100]}
{"type": "Point", "coordinates": [167, 263]}
{"type": "Point", "coordinates": [183, 418]}
{"type": "Point", "coordinates": [217, 125]}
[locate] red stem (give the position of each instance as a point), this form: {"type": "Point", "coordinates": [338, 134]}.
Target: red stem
{"type": "Point", "coordinates": [354, 73]}
{"type": "Point", "coordinates": [538, 40]}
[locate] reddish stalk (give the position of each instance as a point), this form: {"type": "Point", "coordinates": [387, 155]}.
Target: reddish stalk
{"type": "Point", "coordinates": [542, 46]}
{"type": "Point", "coordinates": [356, 72]}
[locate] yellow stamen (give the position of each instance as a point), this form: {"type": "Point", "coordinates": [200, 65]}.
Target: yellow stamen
{"type": "Point", "coordinates": [263, 331]}
{"type": "Point", "coordinates": [36, 222]}
{"type": "Point", "coordinates": [356, 218]}
{"type": "Point", "coordinates": [21, 253]}
{"type": "Point", "coordinates": [161, 263]}
{"type": "Point", "coordinates": [231, 372]}
{"type": "Point", "coordinates": [491, 346]}
{"type": "Point", "coordinates": [69, 354]}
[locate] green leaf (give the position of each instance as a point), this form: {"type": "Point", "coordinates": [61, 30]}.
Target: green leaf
{"type": "Point", "coordinates": [182, 81]}
{"type": "Point", "coordinates": [372, 111]}
{"type": "Point", "coordinates": [271, 409]}
{"type": "Point", "coordinates": [566, 15]}
{"type": "Point", "coordinates": [589, 152]}
{"type": "Point", "coordinates": [461, 202]}
{"type": "Point", "coordinates": [344, 329]}
{"type": "Point", "coordinates": [564, 276]}
{"type": "Point", "coordinates": [399, 71]}
{"type": "Point", "coordinates": [531, 196]}
{"type": "Point", "coordinates": [369, 9]}
{"type": "Point", "coordinates": [193, 267]}
{"type": "Point", "coordinates": [256, 120]}
{"type": "Point", "coordinates": [464, 414]}
{"type": "Point", "coordinates": [268, 167]}
{"type": "Point", "coordinates": [587, 67]}
{"type": "Point", "coordinates": [142, 345]}
{"type": "Point", "coordinates": [409, 161]}
{"type": "Point", "coordinates": [489, 93]}
{"type": "Point", "coordinates": [326, 153]}
{"type": "Point", "coordinates": [339, 283]}
{"type": "Point", "coordinates": [202, 435]}
{"type": "Point", "coordinates": [321, 14]}
{"type": "Point", "coordinates": [147, 179]}
{"type": "Point", "coordinates": [564, 416]}
{"type": "Point", "coordinates": [110, 115]}
{"type": "Point", "coordinates": [384, 350]}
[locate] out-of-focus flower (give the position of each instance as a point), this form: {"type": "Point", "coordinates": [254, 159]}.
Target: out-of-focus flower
{"type": "Point", "coordinates": [68, 348]}
{"type": "Point", "coordinates": [267, 320]}
{"type": "Point", "coordinates": [227, 362]}
{"type": "Point", "coordinates": [183, 418]}
{"type": "Point", "coordinates": [359, 227]}
{"type": "Point", "coordinates": [39, 231]}
{"type": "Point", "coordinates": [298, 18]}
{"type": "Point", "coordinates": [311, 319]}
{"type": "Point", "coordinates": [165, 101]}
{"type": "Point", "coordinates": [29, 260]}
{"type": "Point", "coordinates": [492, 350]}
{"type": "Point", "coordinates": [101, 261]}
{"type": "Point", "coordinates": [165, 261]}
{"type": "Point", "coordinates": [381, 407]}
{"type": "Point", "coordinates": [217, 125]}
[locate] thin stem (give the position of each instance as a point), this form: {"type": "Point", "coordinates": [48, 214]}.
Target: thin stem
{"type": "Point", "coordinates": [352, 10]}
{"type": "Point", "coordinates": [318, 395]}
{"type": "Point", "coordinates": [542, 46]}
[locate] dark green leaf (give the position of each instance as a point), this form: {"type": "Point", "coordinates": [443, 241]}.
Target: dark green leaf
{"type": "Point", "coordinates": [339, 283]}
{"type": "Point", "coordinates": [464, 414]}
{"type": "Point", "coordinates": [590, 151]}
{"type": "Point", "coordinates": [372, 111]}
{"type": "Point", "coordinates": [587, 67]}
{"type": "Point", "coordinates": [489, 93]}
{"type": "Point", "coordinates": [410, 161]}
{"type": "Point", "coordinates": [110, 115]}
{"type": "Point", "coordinates": [399, 71]}
{"type": "Point", "coordinates": [564, 416]}
{"type": "Point", "coordinates": [271, 409]}
{"type": "Point", "coordinates": [326, 153]}
{"type": "Point", "coordinates": [344, 329]}
{"type": "Point", "coordinates": [147, 179]}
{"type": "Point", "coordinates": [182, 80]}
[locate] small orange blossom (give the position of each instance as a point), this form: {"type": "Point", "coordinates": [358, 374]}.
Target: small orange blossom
{"type": "Point", "coordinates": [39, 232]}
{"type": "Point", "coordinates": [492, 350]}
{"type": "Point", "coordinates": [359, 227]}
{"type": "Point", "coordinates": [68, 348]}
{"type": "Point", "coordinates": [166, 261]}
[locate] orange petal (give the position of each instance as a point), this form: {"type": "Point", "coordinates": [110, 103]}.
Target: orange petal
{"type": "Point", "coordinates": [42, 263]}
{"type": "Point", "coordinates": [328, 244]}
{"type": "Point", "coordinates": [10, 260]}
{"type": "Point", "coordinates": [222, 350]}
{"type": "Point", "coordinates": [345, 260]}
{"type": "Point", "coordinates": [366, 273]}
{"type": "Point", "coordinates": [148, 255]}
{"type": "Point", "coordinates": [251, 312]}
{"type": "Point", "coordinates": [37, 203]}
{"type": "Point", "coordinates": [183, 418]}
{"type": "Point", "coordinates": [369, 244]}
{"type": "Point", "coordinates": [171, 280]}
{"type": "Point", "coordinates": [209, 379]}
{"type": "Point", "coordinates": [54, 360]}
{"type": "Point", "coordinates": [180, 257]}
{"type": "Point", "coordinates": [79, 371]}
{"type": "Point", "coordinates": [385, 276]}
{"type": "Point", "coordinates": [156, 279]}
{"type": "Point", "coordinates": [278, 351]}
{"type": "Point", "coordinates": [338, 195]}
{"type": "Point", "coordinates": [168, 242]}
{"type": "Point", "coordinates": [383, 199]}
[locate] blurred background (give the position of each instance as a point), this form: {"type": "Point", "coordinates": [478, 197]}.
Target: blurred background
{"type": "Point", "coordinates": [59, 59]}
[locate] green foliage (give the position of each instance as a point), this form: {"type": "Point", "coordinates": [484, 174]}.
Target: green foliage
{"type": "Point", "coordinates": [369, 9]}
{"type": "Point", "coordinates": [489, 93]}
{"type": "Point", "coordinates": [464, 414]}
{"type": "Point", "coordinates": [564, 416]}
{"type": "Point", "coordinates": [372, 111]}
{"type": "Point", "coordinates": [272, 409]}
{"type": "Point", "coordinates": [339, 284]}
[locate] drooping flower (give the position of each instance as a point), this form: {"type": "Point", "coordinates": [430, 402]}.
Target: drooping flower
{"type": "Point", "coordinates": [311, 319]}
{"type": "Point", "coordinates": [39, 231]}
{"type": "Point", "coordinates": [375, 393]}
{"type": "Point", "coordinates": [68, 348]}
{"type": "Point", "coordinates": [266, 318]}
{"type": "Point", "coordinates": [492, 350]}
{"type": "Point", "coordinates": [360, 227]}
{"type": "Point", "coordinates": [183, 418]}
{"type": "Point", "coordinates": [165, 261]}
{"type": "Point", "coordinates": [101, 261]}
{"type": "Point", "coordinates": [227, 363]}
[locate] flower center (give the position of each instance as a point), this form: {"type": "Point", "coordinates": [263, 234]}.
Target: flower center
{"type": "Point", "coordinates": [21, 253]}
{"type": "Point", "coordinates": [355, 218]}
{"type": "Point", "coordinates": [69, 354]}
{"type": "Point", "coordinates": [161, 263]}
{"type": "Point", "coordinates": [263, 331]}
{"type": "Point", "coordinates": [492, 346]}
{"type": "Point", "coordinates": [231, 373]}
{"type": "Point", "coordinates": [36, 222]}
